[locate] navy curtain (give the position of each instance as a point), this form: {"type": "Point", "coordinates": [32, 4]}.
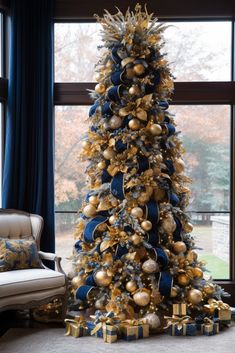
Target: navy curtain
{"type": "Point", "coordinates": [28, 181]}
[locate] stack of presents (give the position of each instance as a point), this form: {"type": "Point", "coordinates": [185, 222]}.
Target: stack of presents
{"type": "Point", "coordinates": [110, 328]}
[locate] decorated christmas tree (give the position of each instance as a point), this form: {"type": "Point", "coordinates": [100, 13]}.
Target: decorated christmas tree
{"type": "Point", "coordinates": [134, 254]}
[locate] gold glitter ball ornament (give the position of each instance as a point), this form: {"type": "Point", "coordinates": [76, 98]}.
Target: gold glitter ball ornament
{"type": "Point", "coordinates": [141, 298]}
{"type": "Point", "coordinates": [109, 153]}
{"type": "Point", "coordinates": [100, 88]}
{"type": "Point", "coordinates": [102, 278]}
{"type": "Point", "coordinates": [155, 129]}
{"type": "Point", "coordinates": [77, 281]}
{"type": "Point", "coordinates": [89, 210]}
{"type": "Point", "coordinates": [138, 69]}
{"type": "Point", "coordinates": [183, 279]}
{"type": "Point", "coordinates": [150, 266]}
{"type": "Point", "coordinates": [195, 296]}
{"type": "Point", "coordinates": [153, 320]}
{"type": "Point", "coordinates": [146, 225]}
{"type": "Point", "coordinates": [188, 227]}
{"type": "Point", "coordinates": [209, 288]}
{"type": "Point", "coordinates": [137, 212]}
{"type": "Point", "coordinates": [115, 122]}
{"type": "Point", "coordinates": [86, 145]}
{"type": "Point", "coordinates": [131, 286]}
{"type": "Point", "coordinates": [93, 200]}
{"type": "Point", "coordinates": [134, 124]}
{"type": "Point", "coordinates": [174, 292]}
{"type": "Point", "coordinates": [179, 247]}
{"type": "Point", "coordinates": [197, 272]}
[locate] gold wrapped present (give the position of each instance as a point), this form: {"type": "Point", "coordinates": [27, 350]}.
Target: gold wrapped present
{"type": "Point", "coordinates": [209, 327]}
{"type": "Point", "coordinates": [221, 310]}
{"type": "Point", "coordinates": [181, 326]}
{"type": "Point", "coordinates": [180, 309]}
{"type": "Point", "coordinates": [134, 329]}
{"type": "Point", "coordinates": [104, 325]}
{"type": "Point", "coordinates": [76, 328]}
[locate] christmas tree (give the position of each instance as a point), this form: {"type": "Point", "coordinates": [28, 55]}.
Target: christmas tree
{"type": "Point", "coordinates": [134, 253]}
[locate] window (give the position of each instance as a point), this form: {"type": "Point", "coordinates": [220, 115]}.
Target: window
{"type": "Point", "coordinates": [201, 58]}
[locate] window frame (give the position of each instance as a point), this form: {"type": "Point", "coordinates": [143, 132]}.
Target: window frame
{"type": "Point", "coordinates": [188, 93]}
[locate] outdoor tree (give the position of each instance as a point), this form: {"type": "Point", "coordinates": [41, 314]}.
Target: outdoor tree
{"type": "Point", "coordinates": [134, 254]}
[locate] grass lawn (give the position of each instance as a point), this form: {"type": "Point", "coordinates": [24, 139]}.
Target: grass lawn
{"type": "Point", "coordinates": [218, 268]}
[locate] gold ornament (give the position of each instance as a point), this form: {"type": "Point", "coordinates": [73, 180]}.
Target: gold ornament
{"type": "Point", "coordinates": [136, 239]}
{"type": "Point", "coordinates": [100, 88]}
{"type": "Point", "coordinates": [101, 165]}
{"type": "Point", "coordinates": [179, 247]}
{"type": "Point", "coordinates": [179, 165]}
{"type": "Point", "coordinates": [127, 61]}
{"type": "Point", "coordinates": [94, 200]}
{"type": "Point", "coordinates": [146, 225]}
{"type": "Point", "coordinates": [174, 292]}
{"type": "Point", "coordinates": [130, 73]}
{"type": "Point", "coordinates": [153, 320]}
{"type": "Point", "coordinates": [109, 153]}
{"type": "Point", "coordinates": [137, 212]}
{"type": "Point", "coordinates": [77, 281]}
{"type": "Point", "coordinates": [89, 210]}
{"type": "Point", "coordinates": [209, 288]}
{"type": "Point", "coordinates": [134, 124]}
{"type": "Point", "coordinates": [197, 272]}
{"type": "Point", "coordinates": [168, 224]}
{"type": "Point", "coordinates": [134, 90]}
{"type": "Point", "coordinates": [142, 114]}
{"type": "Point", "coordinates": [112, 219]}
{"type": "Point", "coordinates": [86, 145]}
{"type": "Point", "coordinates": [188, 227]}
{"type": "Point", "coordinates": [155, 129]}
{"type": "Point", "coordinates": [183, 279]}
{"type": "Point", "coordinates": [115, 122]}
{"type": "Point", "coordinates": [114, 202]}
{"type": "Point", "coordinates": [139, 69]}
{"type": "Point", "coordinates": [102, 278]}
{"type": "Point", "coordinates": [150, 266]}
{"type": "Point", "coordinates": [141, 298]}
{"type": "Point", "coordinates": [195, 296]}
{"type": "Point", "coordinates": [131, 286]}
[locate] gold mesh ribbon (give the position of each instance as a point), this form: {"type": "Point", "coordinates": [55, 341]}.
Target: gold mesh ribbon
{"type": "Point", "coordinates": [178, 321]}
{"type": "Point", "coordinates": [216, 304]}
{"type": "Point", "coordinates": [103, 321]}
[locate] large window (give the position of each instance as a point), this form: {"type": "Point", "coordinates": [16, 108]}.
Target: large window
{"type": "Point", "coordinates": [200, 54]}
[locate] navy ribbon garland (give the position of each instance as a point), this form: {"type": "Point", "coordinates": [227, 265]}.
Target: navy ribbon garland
{"type": "Point", "coordinates": [117, 77]}
{"type": "Point", "coordinates": [83, 292]}
{"type": "Point", "coordinates": [107, 110]}
{"type": "Point", "coordinates": [90, 281]}
{"type": "Point", "coordinates": [162, 257]}
{"type": "Point", "coordinates": [117, 186]}
{"type": "Point", "coordinates": [143, 163]}
{"type": "Point", "coordinates": [174, 200]}
{"type": "Point", "coordinates": [170, 166]}
{"type": "Point", "coordinates": [165, 283]}
{"type": "Point", "coordinates": [120, 251]}
{"type": "Point", "coordinates": [116, 58]}
{"type": "Point", "coordinates": [105, 177]}
{"type": "Point", "coordinates": [152, 214]}
{"type": "Point", "coordinates": [115, 92]}
{"type": "Point", "coordinates": [90, 228]}
{"type": "Point", "coordinates": [177, 233]}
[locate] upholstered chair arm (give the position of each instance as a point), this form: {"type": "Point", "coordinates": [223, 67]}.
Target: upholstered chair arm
{"type": "Point", "coordinates": [52, 257]}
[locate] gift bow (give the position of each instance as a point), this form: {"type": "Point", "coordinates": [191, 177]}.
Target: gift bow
{"type": "Point", "coordinates": [216, 304]}
{"type": "Point", "coordinates": [101, 320]}
{"type": "Point", "coordinates": [178, 321]}
{"type": "Point", "coordinates": [78, 322]}
{"type": "Point", "coordinates": [134, 322]}
{"type": "Point", "coordinates": [208, 321]}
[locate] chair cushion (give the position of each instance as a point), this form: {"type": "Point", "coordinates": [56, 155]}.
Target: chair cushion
{"type": "Point", "coordinates": [29, 280]}
{"type": "Point", "coordinates": [14, 225]}
{"type": "Point", "coordinates": [18, 254]}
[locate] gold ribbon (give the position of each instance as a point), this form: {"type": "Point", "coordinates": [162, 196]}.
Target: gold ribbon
{"type": "Point", "coordinates": [216, 304]}
{"type": "Point", "coordinates": [134, 322]}
{"type": "Point", "coordinates": [208, 321]}
{"type": "Point", "coordinates": [178, 321]}
{"type": "Point", "coordinates": [77, 322]}
{"type": "Point", "coordinates": [103, 321]}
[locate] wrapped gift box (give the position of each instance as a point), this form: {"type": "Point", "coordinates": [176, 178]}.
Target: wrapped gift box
{"type": "Point", "coordinates": [222, 311]}
{"type": "Point", "coordinates": [189, 329]}
{"type": "Point", "coordinates": [110, 333]}
{"type": "Point", "coordinates": [133, 330]}
{"type": "Point", "coordinates": [180, 309]}
{"type": "Point", "coordinates": [75, 328]}
{"type": "Point", "coordinates": [209, 329]}
{"type": "Point", "coordinates": [90, 327]}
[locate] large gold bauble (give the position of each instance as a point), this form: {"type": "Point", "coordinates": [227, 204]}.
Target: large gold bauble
{"type": "Point", "coordinates": [102, 278]}
{"type": "Point", "coordinates": [134, 90]}
{"type": "Point", "coordinates": [142, 114]}
{"type": "Point", "coordinates": [195, 296]}
{"type": "Point", "coordinates": [134, 124]}
{"type": "Point", "coordinates": [115, 122]}
{"type": "Point", "coordinates": [209, 288]}
{"type": "Point", "coordinates": [179, 165]}
{"type": "Point", "coordinates": [109, 153]}
{"type": "Point", "coordinates": [86, 145]}
{"type": "Point", "coordinates": [137, 212]}
{"type": "Point", "coordinates": [155, 129]}
{"type": "Point", "coordinates": [77, 281]}
{"type": "Point", "coordinates": [183, 279]}
{"type": "Point", "coordinates": [153, 320]}
{"type": "Point", "coordinates": [197, 272]}
{"type": "Point", "coordinates": [136, 239]}
{"type": "Point", "coordinates": [150, 266]}
{"type": "Point", "coordinates": [93, 200]}
{"type": "Point", "coordinates": [174, 292]}
{"type": "Point", "coordinates": [139, 69]}
{"type": "Point", "coordinates": [141, 298]}
{"type": "Point", "coordinates": [101, 165]}
{"type": "Point", "coordinates": [179, 247]}
{"type": "Point", "coordinates": [89, 210]}
{"type": "Point", "coordinates": [131, 286]}
{"type": "Point", "coordinates": [168, 224]}
{"type": "Point", "coordinates": [100, 88]}
{"type": "Point", "coordinates": [146, 225]}
{"type": "Point", "coordinates": [112, 219]}
{"type": "Point", "coordinates": [188, 227]}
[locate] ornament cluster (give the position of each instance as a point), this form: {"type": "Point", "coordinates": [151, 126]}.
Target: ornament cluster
{"type": "Point", "coordinates": [134, 254]}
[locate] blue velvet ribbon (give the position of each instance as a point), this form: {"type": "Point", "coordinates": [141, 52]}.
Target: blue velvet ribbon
{"type": "Point", "coordinates": [120, 146]}
{"type": "Point", "coordinates": [120, 251]}
{"type": "Point", "coordinates": [174, 200]}
{"type": "Point", "coordinates": [163, 105]}
{"type": "Point", "coordinates": [77, 246]}
{"type": "Point", "coordinates": [170, 129]}
{"type": "Point", "coordinates": [170, 166]}
{"type": "Point", "coordinates": [107, 110]}
{"type": "Point", "coordinates": [93, 109]}
{"type": "Point", "coordinates": [143, 163]}
{"type": "Point", "coordinates": [165, 283]}
{"type": "Point", "coordinates": [161, 256]}
{"type": "Point", "coordinates": [117, 186]}
{"type": "Point", "coordinates": [115, 93]}
{"type": "Point", "coordinates": [116, 58]}
{"type": "Point", "coordinates": [105, 177]}
{"type": "Point", "coordinates": [117, 77]}
{"type": "Point", "coordinates": [82, 292]}
{"type": "Point", "coordinates": [90, 281]}
{"type": "Point", "coordinates": [90, 228]}
{"type": "Point", "coordinates": [152, 214]}
{"type": "Point", "coordinates": [153, 238]}
{"type": "Point", "coordinates": [177, 233]}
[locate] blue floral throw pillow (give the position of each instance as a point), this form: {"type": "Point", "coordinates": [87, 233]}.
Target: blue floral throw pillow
{"type": "Point", "coordinates": [16, 254]}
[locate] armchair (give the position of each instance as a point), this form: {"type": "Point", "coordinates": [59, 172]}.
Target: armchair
{"type": "Point", "coordinates": [29, 288]}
